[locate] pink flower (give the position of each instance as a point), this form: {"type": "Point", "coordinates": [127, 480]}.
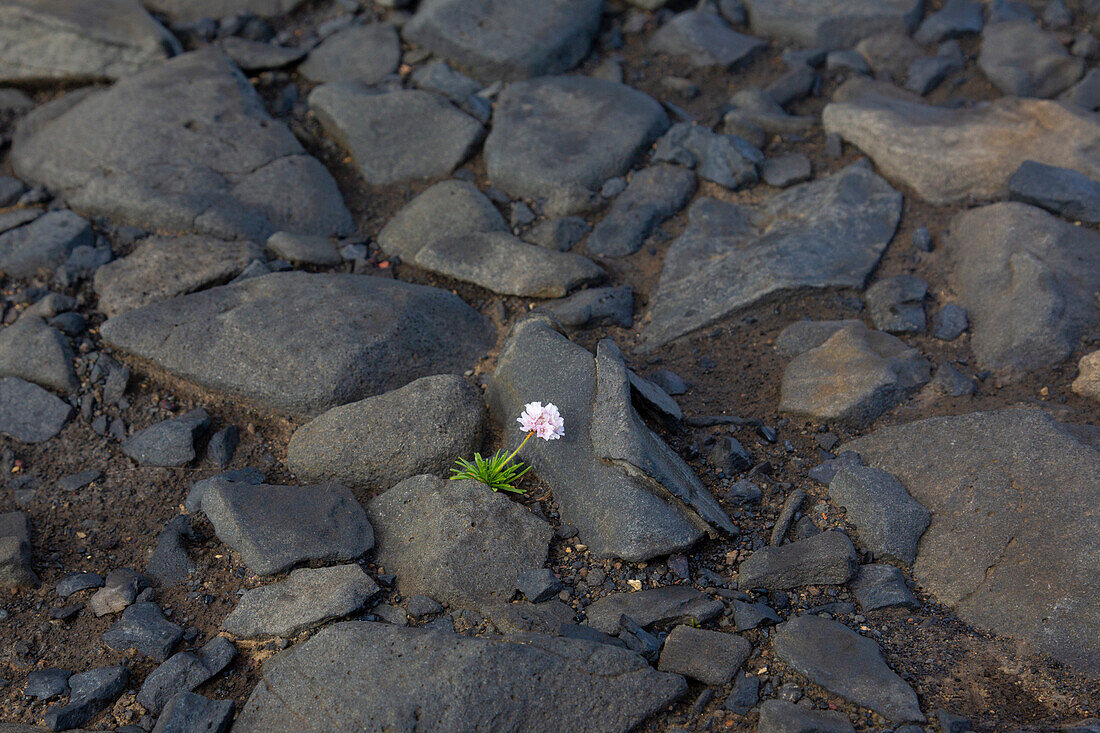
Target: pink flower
{"type": "Point", "coordinates": [545, 422]}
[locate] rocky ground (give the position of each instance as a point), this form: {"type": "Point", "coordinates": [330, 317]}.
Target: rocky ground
{"type": "Point", "coordinates": [814, 283]}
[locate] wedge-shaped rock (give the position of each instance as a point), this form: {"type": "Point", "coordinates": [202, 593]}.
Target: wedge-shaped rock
{"type": "Point", "coordinates": [846, 664]}
{"type": "Point", "coordinates": [1013, 497]}
{"type": "Point", "coordinates": [31, 350]}
{"type": "Point", "coordinates": [259, 338]}
{"type": "Point", "coordinates": [164, 267]}
{"type": "Point", "coordinates": [855, 376]}
{"type": "Point", "coordinates": [78, 40]}
{"type": "Point", "coordinates": [457, 542]}
{"type": "Point", "coordinates": [705, 39]}
{"type": "Point", "coordinates": [186, 146]}
{"type": "Point", "coordinates": [827, 233]}
{"type": "Point", "coordinates": [29, 413]}
{"type": "Point", "coordinates": [566, 135]}
{"type": "Point", "coordinates": [513, 40]}
{"type": "Point", "coordinates": [1028, 281]}
{"type": "Point", "coordinates": [380, 677]}
{"type": "Point", "coordinates": [307, 597]}
{"type": "Point", "coordinates": [624, 509]}
{"type": "Point", "coordinates": [399, 136]}
{"type": "Point", "coordinates": [952, 155]}
{"type": "Point", "coordinates": [832, 23]}
{"type": "Point", "coordinates": [507, 265]}
{"type": "Point", "coordinates": [276, 527]}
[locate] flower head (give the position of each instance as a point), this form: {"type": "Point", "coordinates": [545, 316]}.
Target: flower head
{"type": "Point", "coordinates": [545, 422]}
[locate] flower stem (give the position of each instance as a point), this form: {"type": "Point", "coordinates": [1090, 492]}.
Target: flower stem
{"type": "Point", "coordinates": [509, 458]}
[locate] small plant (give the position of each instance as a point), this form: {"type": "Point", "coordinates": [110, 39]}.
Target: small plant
{"type": "Point", "coordinates": [498, 472]}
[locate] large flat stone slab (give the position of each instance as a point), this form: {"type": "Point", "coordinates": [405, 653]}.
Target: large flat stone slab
{"type": "Point", "coordinates": [258, 339]}
{"type": "Point", "coordinates": [78, 40]}
{"type": "Point", "coordinates": [566, 135]}
{"type": "Point", "coordinates": [513, 40]}
{"type": "Point", "coordinates": [626, 491]}
{"type": "Point", "coordinates": [1028, 282]}
{"type": "Point", "coordinates": [952, 155]}
{"type": "Point", "coordinates": [458, 542]}
{"type": "Point", "coordinates": [1014, 529]}
{"type": "Point", "coordinates": [826, 233]}
{"type": "Point", "coordinates": [832, 23]}
{"type": "Point", "coordinates": [399, 136]}
{"type": "Point", "coordinates": [186, 146]}
{"type": "Point", "coordinates": [379, 677]}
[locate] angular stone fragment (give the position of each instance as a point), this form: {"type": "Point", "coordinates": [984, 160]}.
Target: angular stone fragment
{"type": "Point", "coordinates": [952, 155]}
{"type": "Point", "coordinates": [712, 657]}
{"type": "Point", "coordinates": [258, 338]}
{"type": "Point", "coordinates": [566, 135]}
{"type": "Point", "coordinates": [43, 243]}
{"type": "Point", "coordinates": [29, 413]}
{"type": "Point", "coordinates": [847, 664]}
{"type": "Point", "coordinates": [1022, 59]}
{"type": "Point", "coordinates": [145, 629]}
{"type": "Point", "coordinates": [513, 40]}
{"type": "Point", "coordinates": [376, 677]}
{"type": "Point", "coordinates": [236, 173]}
{"type": "Point", "coordinates": [276, 527]}
{"type": "Point", "coordinates": [825, 233]}
{"type": "Point", "coordinates": [164, 267]}
{"type": "Point", "coordinates": [888, 520]}
{"type": "Point", "coordinates": [653, 195]}
{"type": "Point", "coordinates": [705, 39]}
{"type": "Point", "coordinates": [307, 597]}
{"type": "Point", "coordinates": [824, 559]}
{"type": "Point", "coordinates": [43, 41]}
{"type": "Point", "coordinates": [657, 606]}
{"type": "Point", "coordinates": [1058, 190]}
{"type": "Point", "coordinates": [31, 350]}
{"type": "Point", "coordinates": [398, 136]}
{"type": "Point", "coordinates": [457, 542]}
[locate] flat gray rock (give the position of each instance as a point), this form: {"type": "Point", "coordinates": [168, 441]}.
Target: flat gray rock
{"type": "Point", "coordinates": [854, 377]}
{"type": "Point", "coordinates": [43, 243]}
{"type": "Point", "coordinates": [653, 195]}
{"type": "Point", "coordinates": [144, 629]}
{"type": "Point", "coordinates": [781, 716]}
{"type": "Point", "coordinates": [190, 712]}
{"type": "Point", "coordinates": [399, 136]}
{"type": "Point", "coordinates": [508, 41]}
{"type": "Point", "coordinates": [1022, 59]}
{"type": "Point", "coordinates": [236, 173]}
{"type": "Point", "coordinates": [955, 19]}
{"type": "Point", "coordinates": [164, 267]}
{"type": "Point", "coordinates": [828, 558]}
{"type": "Point", "coordinates": [1060, 191]}
{"type": "Point", "coordinates": [801, 336]}
{"type": "Point", "coordinates": [304, 249]}
{"type": "Point", "coordinates": [616, 507]}
{"type": "Point", "coordinates": [36, 352]}
{"type": "Point", "coordinates": [373, 444]}
{"type": "Point", "coordinates": [91, 692]}
{"type": "Point", "coordinates": [307, 597]}
{"type": "Point", "coordinates": [380, 677]}
{"type": "Point", "coordinates": [882, 586]}
{"type": "Point", "coordinates": [1012, 495]}
{"type": "Point", "coordinates": [257, 339]}
{"type": "Point", "coordinates": [276, 527]}
{"type": "Point", "coordinates": [457, 542]}
{"type": "Point", "coordinates": [611, 306]}
{"type": "Point", "coordinates": [255, 56]}
{"type": "Point", "coordinates": [705, 39]}
{"type": "Point", "coordinates": [183, 672]}
{"type": "Point", "coordinates": [825, 233]}
{"type": "Point", "coordinates": [168, 443]}
{"type": "Point", "coordinates": [846, 664]}
{"type": "Point", "coordinates": [446, 209]}
{"type": "Point", "coordinates": [954, 155]}
{"type": "Point", "coordinates": [29, 413]}
{"type": "Point", "coordinates": [566, 135]}
{"type": "Point", "coordinates": [15, 551]}
{"type": "Point", "coordinates": [43, 41]}
{"type": "Point", "coordinates": [656, 606]}
{"type": "Point", "coordinates": [711, 657]}
{"type": "Point", "coordinates": [505, 264]}
{"type": "Point", "coordinates": [364, 54]}
{"type": "Point", "coordinates": [896, 304]}
{"type": "Point", "coordinates": [1027, 280]}
{"type": "Point", "coordinates": [832, 23]}
{"type": "Point", "coordinates": [187, 11]}
{"type": "Point", "coordinates": [889, 521]}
